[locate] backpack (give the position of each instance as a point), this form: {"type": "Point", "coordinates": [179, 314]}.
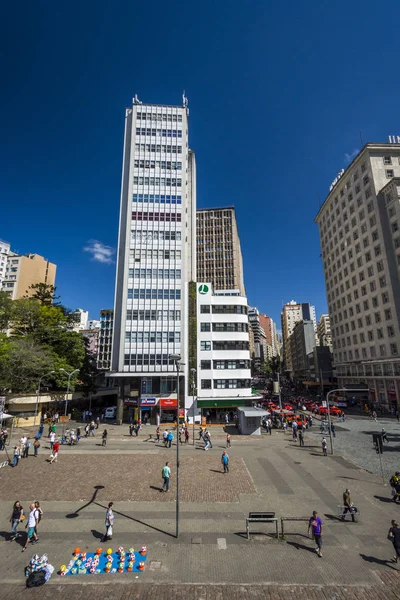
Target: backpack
{"type": "Point", "coordinates": [35, 579]}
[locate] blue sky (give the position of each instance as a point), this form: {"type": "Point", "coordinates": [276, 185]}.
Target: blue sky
{"type": "Point", "coordinates": [278, 95]}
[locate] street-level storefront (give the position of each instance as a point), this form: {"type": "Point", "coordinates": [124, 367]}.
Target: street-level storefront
{"type": "Point", "coordinates": [148, 410]}
{"type": "Point", "coordinates": [214, 410]}
{"type": "Point", "coordinates": [168, 410]}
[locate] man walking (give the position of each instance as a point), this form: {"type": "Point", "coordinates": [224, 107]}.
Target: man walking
{"type": "Point", "coordinates": [315, 524]}
{"type": "Point", "coordinates": [54, 454]}
{"type": "Point", "coordinates": [301, 438]}
{"type": "Point", "coordinates": [324, 447]}
{"type": "Point", "coordinates": [347, 506]}
{"type": "Point", "coordinates": [170, 437]}
{"type": "Point", "coordinates": [225, 461]}
{"type": "Point", "coordinates": [36, 446]}
{"type": "Point", "coordinates": [17, 455]}
{"type": "Point", "coordinates": [109, 522]}
{"type": "Point", "coordinates": [294, 430]}
{"type": "Point", "coordinates": [32, 524]}
{"type": "Point", "coordinates": [228, 440]}
{"type": "Point", "coordinates": [52, 438]}
{"type": "Point", "coordinates": [165, 437]}
{"type": "Point", "coordinates": [166, 474]}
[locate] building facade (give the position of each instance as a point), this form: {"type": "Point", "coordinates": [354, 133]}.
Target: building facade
{"type": "Point", "coordinates": [324, 331]}
{"type": "Point", "coordinates": [302, 343]}
{"type": "Point", "coordinates": [81, 319]}
{"type": "Point", "coordinates": [260, 353]}
{"type": "Point", "coordinates": [23, 271]}
{"type": "Point", "coordinates": [359, 227]}
{"type": "Point", "coordinates": [223, 356]}
{"type": "Point", "coordinates": [269, 326]}
{"type": "Point", "coordinates": [292, 313]}
{"type": "Point", "coordinates": [219, 256]}
{"type": "Point", "coordinates": [105, 339]}
{"type": "Point", "coordinates": [156, 249]}
{"type": "Point", "coordinates": [4, 251]}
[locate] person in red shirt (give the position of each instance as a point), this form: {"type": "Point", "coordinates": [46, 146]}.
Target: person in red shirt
{"type": "Point", "coordinates": [56, 448]}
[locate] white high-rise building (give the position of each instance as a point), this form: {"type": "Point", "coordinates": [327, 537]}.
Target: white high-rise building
{"type": "Point", "coordinates": [81, 319]}
{"type": "Point", "coordinates": [4, 251]}
{"type": "Point", "coordinates": [156, 250]}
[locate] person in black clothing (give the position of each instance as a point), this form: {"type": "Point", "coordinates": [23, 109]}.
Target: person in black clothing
{"type": "Point", "coordinates": [394, 536]}
{"type": "Point", "coordinates": [17, 516]}
{"type": "Point", "coordinates": [104, 437]}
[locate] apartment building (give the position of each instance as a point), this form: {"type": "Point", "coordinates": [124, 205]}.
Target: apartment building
{"type": "Point", "coordinates": [81, 319]}
{"type": "Point", "coordinates": [302, 343]}
{"type": "Point", "coordinates": [219, 256]}
{"type": "Point", "coordinates": [4, 251]}
{"type": "Point", "coordinates": [269, 326]}
{"type": "Point", "coordinates": [324, 331]}
{"type": "Point", "coordinates": [260, 353]}
{"type": "Point", "coordinates": [359, 227]}
{"type": "Point", "coordinates": [105, 339]}
{"type": "Point", "coordinates": [291, 314]}
{"type": "Point", "coordinates": [23, 271]}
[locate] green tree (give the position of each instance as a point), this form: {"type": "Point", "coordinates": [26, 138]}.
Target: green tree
{"type": "Point", "coordinates": [44, 293]}
{"type": "Point", "coordinates": [22, 363]}
{"type": "Point", "coordinates": [6, 311]}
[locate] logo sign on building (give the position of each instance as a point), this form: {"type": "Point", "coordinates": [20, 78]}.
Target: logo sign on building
{"type": "Point", "coordinates": [203, 289]}
{"type": "Point", "coordinates": [334, 182]}
{"type": "Point", "coordinates": [394, 139]}
{"type": "Point", "coordinates": [148, 401]}
{"type": "Point", "coordinates": [169, 403]}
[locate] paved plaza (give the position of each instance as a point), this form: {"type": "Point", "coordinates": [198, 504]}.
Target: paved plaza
{"type": "Point", "coordinates": [212, 553]}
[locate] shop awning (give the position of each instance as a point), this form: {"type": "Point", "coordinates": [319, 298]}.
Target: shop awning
{"type": "Point", "coordinates": [252, 411]}
{"type": "Point", "coordinates": [223, 402]}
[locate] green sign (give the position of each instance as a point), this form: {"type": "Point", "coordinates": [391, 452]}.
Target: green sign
{"type": "Point", "coordinates": [203, 289]}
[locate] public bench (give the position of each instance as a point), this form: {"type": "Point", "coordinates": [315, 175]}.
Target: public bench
{"type": "Point", "coordinates": [262, 517]}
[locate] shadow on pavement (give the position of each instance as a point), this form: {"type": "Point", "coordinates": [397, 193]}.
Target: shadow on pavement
{"type": "Point", "coordinates": [216, 471]}
{"type": "Point", "coordinates": [333, 517]}
{"type": "Point", "coordinates": [116, 512]}
{"type": "Point", "coordinates": [75, 514]}
{"type": "Point", "coordinates": [155, 487]}
{"type": "Point", "coordinates": [378, 561]}
{"type": "Point", "coordinates": [383, 499]}
{"type": "Point", "coordinates": [301, 547]}
{"type": "Point", "coordinates": [97, 534]}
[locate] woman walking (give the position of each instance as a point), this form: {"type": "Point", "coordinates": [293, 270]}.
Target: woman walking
{"type": "Point", "coordinates": [394, 536]}
{"type": "Point", "coordinates": [17, 516]}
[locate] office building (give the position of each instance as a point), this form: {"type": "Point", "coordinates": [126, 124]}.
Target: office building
{"type": "Point", "coordinates": [359, 227]}
{"type": "Point", "coordinates": [302, 342]}
{"type": "Point", "coordinates": [105, 339]}
{"type": "Point", "coordinates": [156, 250]}
{"type": "Point", "coordinates": [23, 271]}
{"type": "Point", "coordinates": [93, 324]}
{"type": "Point", "coordinates": [92, 337]}
{"type": "Point", "coordinates": [291, 314]}
{"type": "Point", "coordinates": [219, 257]}
{"type": "Point", "coordinates": [223, 356]}
{"type": "Point", "coordinates": [269, 327]}
{"type": "Point", "coordinates": [81, 319]}
{"type": "Point", "coordinates": [324, 331]}
{"type": "Point", "coordinates": [4, 251]}
{"type": "Point", "coordinates": [260, 353]}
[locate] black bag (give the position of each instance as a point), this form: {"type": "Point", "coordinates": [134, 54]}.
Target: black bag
{"type": "Point", "coordinates": [35, 579]}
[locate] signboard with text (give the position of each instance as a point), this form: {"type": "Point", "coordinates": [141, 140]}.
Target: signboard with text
{"type": "Point", "coordinates": [148, 401]}
{"type": "Point", "coordinates": [168, 403]}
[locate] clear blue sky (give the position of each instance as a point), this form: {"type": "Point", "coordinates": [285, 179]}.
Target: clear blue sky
{"type": "Point", "coordinates": [278, 93]}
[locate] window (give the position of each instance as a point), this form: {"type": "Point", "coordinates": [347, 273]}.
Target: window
{"type": "Point", "coordinates": [375, 302]}
{"type": "Point", "coordinates": [388, 314]}
{"type": "Point", "coordinates": [382, 281]}
{"type": "Point", "coordinates": [206, 384]}
{"type": "Point", "coordinates": [204, 308]}
{"type": "Point", "coordinates": [377, 317]}
{"type": "Point", "coordinates": [382, 350]}
{"type": "Point", "coordinates": [372, 286]}
{"type": "Point", "coordinates": [222, 309]}
{"type": "Point", "coordinates": [390, 331]}
{"type": "Point", "coordinates": [205, 345]}
{"type": "Point", "coordinates": [393, 349]}
{"type": "Point", "coordinates": [389, 173]}
{"type": "Point", "coordinates": [385, 297]}
{"type": "Point", "coordinates": [205, 327]}
{"type": "Point", "coordinates": [231, 383]}
{"type": "Point", "coordinates": [230, 345]}
{"type": "Point", "coordinates": [205, 364]}
{"type": "Point", "coordinates": [387, 160]}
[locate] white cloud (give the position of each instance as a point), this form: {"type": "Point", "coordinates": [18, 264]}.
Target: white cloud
{"type": "Point", "coordinates": [100, 252]}
{"type": "Point", "coordinates": [349, 157]}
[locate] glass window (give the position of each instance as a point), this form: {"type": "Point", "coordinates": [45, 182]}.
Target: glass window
{"type": "Point", "coordinates": [205, 345]}
{"type": "Point", "coordinates": [205, 364]}
{"type": "Point", "coordinates": [205, 326]}
{"type": "Point", "coordinates": [206, 384]}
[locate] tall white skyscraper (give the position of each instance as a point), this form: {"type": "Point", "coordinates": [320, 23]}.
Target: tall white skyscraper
{"type": "Point", "coordinates": [156, 248]}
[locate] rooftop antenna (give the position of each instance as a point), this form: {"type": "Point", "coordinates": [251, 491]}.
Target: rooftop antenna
{"type": "Point", "coordinates": [136, 100]}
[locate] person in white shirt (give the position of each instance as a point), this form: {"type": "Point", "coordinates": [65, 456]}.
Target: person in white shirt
{"type": "Point", "coordinates": [32, 524]}
{"type": "Point", "coordinates": [52, 437]}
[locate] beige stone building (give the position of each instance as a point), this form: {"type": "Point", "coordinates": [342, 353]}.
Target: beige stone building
{"type": "Point", "coordinates": [219, 256]}
{"type": "Point", "coordinates": [23, 271]}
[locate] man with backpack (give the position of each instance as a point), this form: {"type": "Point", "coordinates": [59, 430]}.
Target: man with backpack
{"type": "Point", "coordinates": [394, 480]}
{"type": "Point", "coordinates": [31, 525]}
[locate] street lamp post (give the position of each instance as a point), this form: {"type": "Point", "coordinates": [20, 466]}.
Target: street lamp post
{"type": "Point", "coordinates": [193, 376]}
{"type": "Point", "coordinates": [69, 383]}
{"type": "Point", "coordinates": [176, 359]}
{"type": "Point", "coordinates": [329, 411]}
{"type": "Point", "coordinates": [38, 394]}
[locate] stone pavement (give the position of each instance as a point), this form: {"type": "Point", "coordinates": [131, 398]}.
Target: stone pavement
{"type": "Point", "coordinates": [267, 473]}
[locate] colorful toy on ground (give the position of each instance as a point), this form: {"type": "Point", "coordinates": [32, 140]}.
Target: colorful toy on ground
{"type": "Point", "coordinates": [102, 562]}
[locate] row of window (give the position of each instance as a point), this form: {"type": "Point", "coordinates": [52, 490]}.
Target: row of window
{"type": "Point", "coordinates": [146, 235]}
{"type": "Point", "coordinates": [153, 315]}
{"type": "Point", "coordinates": [152, 336]}
{"type": "Point", "coordinates": [223, 309]}
{"type": "Point", "coordinates": [222, 384]}
{"type": "Point", "coordinates": [157, 181]}
{"type": "Point", "coordinates": [225, 364]}
{"type": "Point", "coordinates": [155, 273]}
{"type": "Point", "coordinates": [169, 118]}
{"type": "Point", "coordinates": [148, 359]}
{"type": "Point", "coordinates": [157, 216]}
{"type": "Point", "coordinates": [150, 294]}
{"type": "Point", "coordinates": [224, 345]}
{"type": "Point", "coordinates": [362, 322]}
{"type": "Point", "coordinates": [161, 198]}
{"type": "Point", "coordinates": [171, 133]}
{"type": "Point", "coordinates": [157, 164]}
{"type": "Point", "coordinates": [155, 254]}
{"type": "Point", "coordinates": [348, 355]}
{"type": "Point", "coordinates": [224, 327]}
{"type": "Point", "coordinates": [158, 148]}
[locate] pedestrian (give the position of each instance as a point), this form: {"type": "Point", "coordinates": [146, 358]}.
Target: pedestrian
{"type": "Point", "coordinates": [158, 434]}
{"type": "Point", "coordinates": [27, 446]}
{"type": "Point", "coordinates": [324, 447]}
{"type": "Point", "coordinates": [22, 445]}
{"type": "Point", "coordinates": [131, 428]}
{"type": "Point", "coordinates": [17, 455]}
{"type": "Point", "coordinates": [109, 522]}
{"type": "Point", "coordinates": [186, 434]}
{"type": "Point", "coordinates": [228, 440]}
{"type": "Point", "coordinates": [225, 461]}
{"type": "Point", "coordinates": [86, 431]}
{"type": "Point", "coordinates": [165, 437]}
{"type": "Point", "coordinates": [91, 428]}
{"type": "Point", "coordinates": [97, 422]}
{"type": "Point", "coordinates": [36, 446]}
{"type": "Point", "coordinates": [52, 438]}
{"type": "Point", "coordinates": [294, 429]}
{"type": "Point", "coordinates": [301, 438]}
{"type": "Point", "coordinates": [374, 415]}
{"type": "Point", "coordinates": [41, 429]}
{"type": "Point", "coordinates": [39, 515]}
{"type": "Point", "coordinates": [170, 437]}
{"type": "Point", "coordinates": [31, 525]}
{"type": "Point", "coordinates": [201, 433]}
{"type": "Point", "coordinates": [17, 516]}
{"type": "Point", "coordinates": [78, 434]}
{"type": "Point", "coordinates": [54, 454]}
{"type": "Point", "coordinates": [284, 426]}
{"type": "Point", "coordinates": [56, 417]}
{"type": "Point", "coordinates": [137, 428]}
{"type": "Point", "coordinates": [394, 536]}
{"type": "Point", "coordinates": [315, 524]}
{"type": "Point", "coordinates": [226, 419]}
{"type": "Point", "coordinates": [166, 474]}
{"type": "Point", "coordinates": [104, 437]}
{"type": "Point", "coordinates": [384, 436]}
{"type": "Point", "coordinates": [396, 495]}
{"type": "Point", "coordinates": [394, 480]}
{"type": "Point", "coordinates": [397, 415]}
{"type": "Point", "coordinates": [269, 426]}
{"type": "Point", "coordinates": [333, 429]}
{"type": "Point", "coordinates": [348, 506]}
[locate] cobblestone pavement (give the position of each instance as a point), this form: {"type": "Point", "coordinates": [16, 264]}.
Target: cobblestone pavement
{"type": "Point", "coordinates": [125, 477]}
{"type": "Point", "coordinates": [388, 590]}
{"type": "Point", "coordinates": [354, 441]}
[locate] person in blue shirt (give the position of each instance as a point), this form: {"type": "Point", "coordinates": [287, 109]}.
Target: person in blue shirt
{"type": "Point", "coordinates": [225, 461]}
{"type": "Point", "coordinates": [170, 437]}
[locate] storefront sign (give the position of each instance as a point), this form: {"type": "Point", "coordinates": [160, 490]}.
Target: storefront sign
{"type": "Point", "coordinates": [131, 401]}
{"type": "Point", "coordinates": [168, 403]}
{"type": "Point", "coordinates": [148, 401]}
{"type": "Point", "coordinates": [394, 139]}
